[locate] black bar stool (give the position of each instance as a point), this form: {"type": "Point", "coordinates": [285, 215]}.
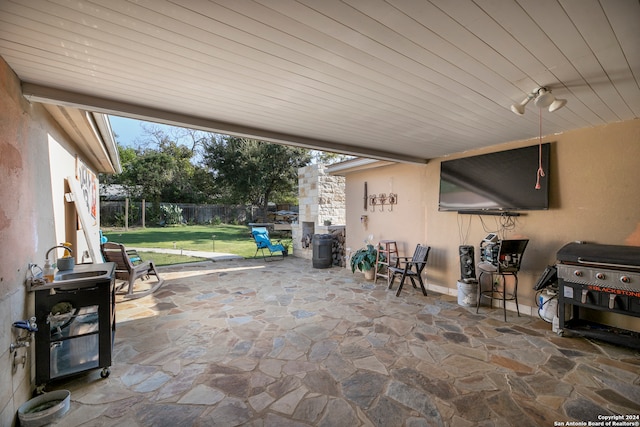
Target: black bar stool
{"type": "Point", "coordinates": [507, 264]}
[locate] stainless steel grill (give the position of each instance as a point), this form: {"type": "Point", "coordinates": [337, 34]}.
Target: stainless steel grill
{"type": "Point", "coordinates": [599, 277]}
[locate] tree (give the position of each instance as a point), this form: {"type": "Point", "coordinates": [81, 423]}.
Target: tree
{"type": "Point", "coordinates": [127, 156]}
{"type": "Point", "coordinates": [253, 171]}
{"type": "Point", "coordinates": [180, 172]}
{"type": "Point", "coordinates": [156, 137]}
{"type": "Point", "coordinates": [162, 171]}
{"type": "Point", "coordinates": [151, 172]}
{"type": "Point", "coordinates": [199, 167]}
{"type": "Point", "coordinates": [328, 158]}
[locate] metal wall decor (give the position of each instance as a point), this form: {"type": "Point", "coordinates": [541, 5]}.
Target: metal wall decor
{"type": "Point", "coordinates": [381, 200]}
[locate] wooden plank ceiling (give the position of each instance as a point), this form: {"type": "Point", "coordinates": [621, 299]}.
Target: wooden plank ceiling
{"type": "Point", "coordinates": [392, 79]}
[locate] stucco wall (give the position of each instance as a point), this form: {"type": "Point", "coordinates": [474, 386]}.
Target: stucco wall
{"type": "Point", "coordinates": [404, 222]}
{"type": "Point", "coordinates": [594, 197]}
{"type": "Point", "coordinates": [35, 157]}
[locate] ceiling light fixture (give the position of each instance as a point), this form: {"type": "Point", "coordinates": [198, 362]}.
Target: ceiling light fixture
{"type": "Point", "coordinates": [542, 99]}
{"type": "Point", "coordinates": [519, 108]}
{"type": "Point", "coordinates": [557, 104]}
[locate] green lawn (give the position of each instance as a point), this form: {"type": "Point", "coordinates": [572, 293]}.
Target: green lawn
{"type": "Point", "coordinates": [234, 239]}
{"type": "Point", "coordinates": [160, 259]}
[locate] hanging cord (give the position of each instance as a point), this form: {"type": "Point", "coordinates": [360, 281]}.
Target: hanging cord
{"type": "Point", "coordinates": [463, 230]}
{"type": "Point", "coordinates": [507, 223]}
{"type": "Point", "coordinates": [540, 172]}
{"type": "Point", "coordinates": [485, 228]}
{"type": "Point", "coordinates": [503, 225]}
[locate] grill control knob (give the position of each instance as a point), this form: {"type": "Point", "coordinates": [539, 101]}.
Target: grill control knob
{"type": "Point", "coordinates": [577, 273]}
{"type": "Point", "coordinates": [625, 279]}
{"type": "Point", "coordinates": [600, 276]}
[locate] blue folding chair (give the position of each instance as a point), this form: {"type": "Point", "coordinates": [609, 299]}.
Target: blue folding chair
{"type": "Point", "coordinates": [261, 237]}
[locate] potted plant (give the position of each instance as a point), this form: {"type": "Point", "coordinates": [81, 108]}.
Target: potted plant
{"type": "Point", "coordinates": [364, 259]}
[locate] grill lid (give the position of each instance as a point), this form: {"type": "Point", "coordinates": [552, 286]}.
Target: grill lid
{"type": "Point", "coordinates": [593, 253]}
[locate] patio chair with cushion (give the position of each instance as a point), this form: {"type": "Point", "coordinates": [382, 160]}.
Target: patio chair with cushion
{"type": "Point", "coordinates": [411, 268]}
{"type": "Point", "coordinates": [261, 237]}
{"type": "Point", "coordinates": [129, 268]}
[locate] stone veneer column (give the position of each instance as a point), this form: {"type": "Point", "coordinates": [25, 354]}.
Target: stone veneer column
{"type": "Point", "coordinates": [321, 197]}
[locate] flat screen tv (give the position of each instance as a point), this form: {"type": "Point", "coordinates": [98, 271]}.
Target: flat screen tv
{"type": "Point", "coordinates": [502, 181]}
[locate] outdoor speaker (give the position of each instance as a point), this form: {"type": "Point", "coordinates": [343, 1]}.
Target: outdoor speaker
{"type": "Point", "coordinates": [467, 263]}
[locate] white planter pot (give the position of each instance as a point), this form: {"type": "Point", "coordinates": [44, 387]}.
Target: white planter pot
{"type": "Point", "coordinates": [369, 274]}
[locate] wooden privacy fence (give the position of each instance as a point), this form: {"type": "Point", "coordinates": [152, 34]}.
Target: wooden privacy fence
{"type": "Point", "coordinates": [114, 213]}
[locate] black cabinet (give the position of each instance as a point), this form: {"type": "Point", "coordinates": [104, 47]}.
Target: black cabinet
{"type": "Point", "coordinates": [76, 325]}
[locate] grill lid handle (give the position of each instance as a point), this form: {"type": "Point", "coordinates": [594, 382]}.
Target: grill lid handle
{"type": "Point", "coordinates": [606, 264]}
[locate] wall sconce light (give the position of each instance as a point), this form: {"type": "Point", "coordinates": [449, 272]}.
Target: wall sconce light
{"type": "Point", "coordinates": [364, 219]}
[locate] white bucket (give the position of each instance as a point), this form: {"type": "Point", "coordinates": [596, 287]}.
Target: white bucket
{"type": "Point", "coordinates": [547, 306]}
{"type": "Point", "coordinates": [467, 294]}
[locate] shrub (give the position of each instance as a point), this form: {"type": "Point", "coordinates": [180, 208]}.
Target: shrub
{"type": "Point", "coordinates": [172, 214]}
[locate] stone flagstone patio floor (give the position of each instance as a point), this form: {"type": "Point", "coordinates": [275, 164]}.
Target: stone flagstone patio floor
{"type": "Point", "coordinates": [244, 342]}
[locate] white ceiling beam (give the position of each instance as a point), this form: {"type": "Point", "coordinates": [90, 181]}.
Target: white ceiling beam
{"type": "Point", "coordinates": [48, 95]}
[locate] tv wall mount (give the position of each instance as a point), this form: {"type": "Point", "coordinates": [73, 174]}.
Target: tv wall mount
{"type": "Point", "coordinates": [487, 212]}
